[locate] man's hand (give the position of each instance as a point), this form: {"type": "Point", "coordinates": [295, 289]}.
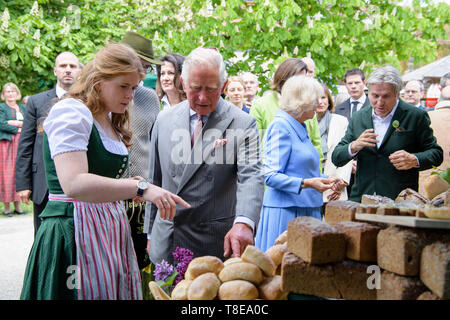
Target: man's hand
{"type": "Point", "coordinates": [24, 196]}
{"type": "Point", "coordinates": [403, 160]}
{"type": "Point", "coordinates": [239, 236]}
{"type": "Point", "coordinates": [367, 139]}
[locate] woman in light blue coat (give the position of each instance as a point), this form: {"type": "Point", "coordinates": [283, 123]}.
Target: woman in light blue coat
{"type": "Point", "coordinates": [291, 163]}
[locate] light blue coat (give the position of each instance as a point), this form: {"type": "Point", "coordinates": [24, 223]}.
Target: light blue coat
{"type": "Point", "coordinates": [289, 157]}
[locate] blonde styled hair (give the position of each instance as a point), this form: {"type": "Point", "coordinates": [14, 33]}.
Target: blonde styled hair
{"type": "Point", "coordinates": [115, 59]}
{"type": "Point", "coordinates": [233, 79]}
{"type": "Point", "coordinates": [300, 94]}
{"type": "Point", "coordinates": [14, 87]}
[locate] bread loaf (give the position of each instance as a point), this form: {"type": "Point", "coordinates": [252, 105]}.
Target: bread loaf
{"type": "Point", "coordinates": [180, 292]}
{"type": "Point", "coordinates": [435, 268]}
{"type": "Point", "coordinates": [157, 292]}
{"type": "Point", "coordinates": [315, 241]}
{"type": "Point", "coordinates": [231, 261]}
{"type": "Point", "coordinates": [441, 213]}
{"type": "Point", "coordinates": [238, 290]}
{"type": "Point", "coordinates": [204, 287]}
{"type": "Point", "coordinates": [351, 280]}
{"type": "Point", "coordinates": [339, 210]}
{"type": "Point", "coordinates": [439, 200]}
{"type": "Point", "coordinates": [367, 208]}
{"type": "Point", "coordinates": [201, 265]}
{"type": "Point", "coordinates": [375, 199]}
{"type": "Point", "coordinates": [241, 271]}
{"type": "Point", "coordinates": [300, 277]}
{"type": "Point", "coordinates": [411, 196]}
{"type": "Point", "coordinates": [395, 287]}
{"type": "Point", "coordinates": [399, 249]}
{"type": "Point", "coordinates": [428, 295]}
{"type": "Point", "coordinates": [282, 238]}
{"type": "Point", "coordinates": [388, 210]}
{"type": "Point", "coordinates": [270, 289]}
{"type": "Point", "coordinates": [361, 240]}
{"type": "Point", "coordinates": [276, 253]}
{"type": "Point", "coordinates": [434, 185]}
{"type": "Point", "coordinates": [256, 256]}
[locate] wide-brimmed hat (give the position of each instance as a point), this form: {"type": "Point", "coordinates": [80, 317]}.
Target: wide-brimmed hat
{"type": "Point", "coordinates": [141, 45]}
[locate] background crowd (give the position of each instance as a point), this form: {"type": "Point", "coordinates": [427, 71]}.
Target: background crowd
{"type": "Point", "coordinates": [309, 147]}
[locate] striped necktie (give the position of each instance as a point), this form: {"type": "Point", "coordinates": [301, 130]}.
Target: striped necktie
{"type": "Point", "coordinates": [197, 129]}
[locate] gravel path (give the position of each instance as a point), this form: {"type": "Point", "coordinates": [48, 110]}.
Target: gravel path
{"type": "Point", "coordinates": [16, 239]}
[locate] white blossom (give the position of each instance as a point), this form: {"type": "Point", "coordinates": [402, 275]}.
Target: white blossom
{"type": "Point", "coordinates": [221, 44]}
{"type": "Point", "coordinates": [4, 62]}
{"type": "Point", "coordinates": [156, 37]}
{"type": "Point", "coordinates": [295, 52]}
{"type": "Point", "coordinates": [37, 51]}
{"type": "Point", "coordinates": [35, 9]}
{"type": "Point", "coordinates": [37, 35]}
{"type": "Point", "coordinates": [5, 19]}
{"type": "Point", "coordinates": [258, 28]}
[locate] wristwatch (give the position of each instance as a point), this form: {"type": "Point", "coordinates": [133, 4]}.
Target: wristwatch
{"type": "Point", "coordinates": [142, 186]}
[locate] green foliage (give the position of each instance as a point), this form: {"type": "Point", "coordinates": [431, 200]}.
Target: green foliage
{"type": "Point", "coordinates": [337, 34]}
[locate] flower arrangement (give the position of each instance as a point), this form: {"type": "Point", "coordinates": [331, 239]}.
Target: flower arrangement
{"type": "Point", "coordinates": [166, 275]}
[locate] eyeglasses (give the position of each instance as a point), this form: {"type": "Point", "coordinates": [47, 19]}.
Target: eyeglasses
{"type": "Point", "coordinates": [148, 68]}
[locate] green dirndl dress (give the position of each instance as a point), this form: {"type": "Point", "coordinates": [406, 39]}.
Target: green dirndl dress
{"type": "Point", "coordinates": [52, 271]}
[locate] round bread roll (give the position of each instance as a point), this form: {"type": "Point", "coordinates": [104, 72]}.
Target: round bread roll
{"type": "Point", "coordinates": [256, 256]}
{"type": "Point", "coordinates": [276, 253]}
{"type": "Point", "coordinates": [241, 271]}
{"type": "Point", "coordinates": [238, 290]}
{"type": "Point", "coordinates": [270, 289]}
{"type": "Point", "coordinates": [181, 289]}
{"type": "Point", "coordinates": [157, 292]}
{"type": "Point", "coordinates": [441, 213]}
{"type": "Point", "coordinates": [282, 238]}
{"type": "Point", "coordinates": [204, 287]}
{"type": "Point", "coordinates": [201, 265]}
{"type": "Point", "coordinates": [231, 261]}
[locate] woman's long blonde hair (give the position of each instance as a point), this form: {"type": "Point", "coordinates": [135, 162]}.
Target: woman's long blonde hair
{"type": "Point", "coordinates": [113, 60]}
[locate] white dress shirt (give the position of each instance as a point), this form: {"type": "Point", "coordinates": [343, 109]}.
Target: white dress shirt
{"type": "Point", "coordinates": [60, 92]}
{"type": "Point", "coordinates": [361, 102]}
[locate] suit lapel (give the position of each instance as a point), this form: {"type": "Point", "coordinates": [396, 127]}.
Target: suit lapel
{"type": "Point", "coordinates": [219, 122]}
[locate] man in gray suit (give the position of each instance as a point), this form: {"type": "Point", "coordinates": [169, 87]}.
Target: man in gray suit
{"type": "Point", "coordinates": [30, 172]}
{"type": "Point", "coordinates": [206, 151]}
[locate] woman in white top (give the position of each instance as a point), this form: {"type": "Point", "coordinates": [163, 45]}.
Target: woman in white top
{"type": "Point", "coordinates": [332, 128]}
{"type": "Point", "coordinates": [83, 248]}
{"type": "Point", "coordinates": [168, 84]}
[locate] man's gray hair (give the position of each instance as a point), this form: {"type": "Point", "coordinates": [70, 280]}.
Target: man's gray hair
{"type": "Point", "coordinates": [386, 74]}
{"type": "Point", "coordinates": [204, 56]}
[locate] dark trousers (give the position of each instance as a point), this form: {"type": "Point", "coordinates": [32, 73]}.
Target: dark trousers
{"type": "Point", "coordinates": [37, 210]}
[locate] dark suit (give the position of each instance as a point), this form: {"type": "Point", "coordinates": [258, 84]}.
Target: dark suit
{"type": "Point", "coordinates": [30, 172]}
{"type": "Point", "coordinates": [344, 109]}
{"type": "Point", "coordinates": [375, 173]}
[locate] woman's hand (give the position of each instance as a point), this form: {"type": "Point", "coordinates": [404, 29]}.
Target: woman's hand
{"type": "Point", "coordinates": [165, 201]}
{"type": "Point", "coordinates": [320, 184]}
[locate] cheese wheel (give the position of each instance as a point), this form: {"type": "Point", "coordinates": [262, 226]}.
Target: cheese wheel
{"type": "Point", "coordinates": [276, 253]}
{"type": "Point", "coordinates": [241, 271]}
{"type": "Point", "coordinates": [256, 256]}
{"type": "Point", "coordinates": [201, 265]}
{"type": "Point", "coordinates": [204, 287]}
{"type": "Point", "coordinates": [238, 290]}
{"type": "Point", "coordinates": [157, 292]}
{"type": "Point", "coordinates": [270, 289]}
{"type": "Point", "coordinates": [181, 289]}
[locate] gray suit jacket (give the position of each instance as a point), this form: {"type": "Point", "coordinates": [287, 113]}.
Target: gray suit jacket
{"type": "Point", "coordinates": [30, 171]}
{"type": "Point", "coordinates": [219, 183]}
{"type": "Point", "coordinates": [344, 108]}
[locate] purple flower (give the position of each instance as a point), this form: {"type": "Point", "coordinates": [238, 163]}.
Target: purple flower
{"type": "Point", "coordinates": [162, 270]}
{"type": "Point", "coordinates": [184, 257]}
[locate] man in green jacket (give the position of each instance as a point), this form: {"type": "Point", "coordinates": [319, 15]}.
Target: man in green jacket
{"type": "Point", "coordinates": [391, 139]}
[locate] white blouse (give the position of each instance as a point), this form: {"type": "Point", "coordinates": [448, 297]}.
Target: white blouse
{"type": "Point", "coordinates": [68, 128]}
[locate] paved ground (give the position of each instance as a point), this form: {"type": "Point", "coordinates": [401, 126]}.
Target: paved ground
{"type": "Point", "coordinates": [16, 239]}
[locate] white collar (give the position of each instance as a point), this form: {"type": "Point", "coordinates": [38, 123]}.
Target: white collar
{"type": "Point", "coordinates": [60, 91]}
{"type": "Point", "coordinates": [361, 99]}
{"type": "Point", "coordinates": [389, 116]}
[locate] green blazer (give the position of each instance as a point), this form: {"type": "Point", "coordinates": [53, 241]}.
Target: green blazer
{"type": "Point", "coordinates": [375, 174]}
{"type": "Point", "coordinates": [8, 113]}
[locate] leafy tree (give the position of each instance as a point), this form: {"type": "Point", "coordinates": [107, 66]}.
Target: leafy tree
{"type": "Point", "coordinates": [337, 34]}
